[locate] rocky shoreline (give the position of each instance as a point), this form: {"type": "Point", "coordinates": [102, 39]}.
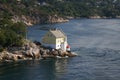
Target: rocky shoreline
{"type": "Point", "coordinates": [32, 50]}
{"type": "Point", "coordinates": [29, 21]}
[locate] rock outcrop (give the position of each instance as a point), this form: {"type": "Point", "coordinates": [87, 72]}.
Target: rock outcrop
{"type": "Point", "coordinates": [57, 19]}
{"type": "Point", "coordinates": [29, 21]}
{"type": "Point", "coordinates": [36, 20]}
{"type": "Point", "coordinates": [32, 50]}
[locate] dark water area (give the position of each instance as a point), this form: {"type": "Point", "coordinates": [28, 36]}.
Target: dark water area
{"type": "Point", "coordinates": [97, 43]}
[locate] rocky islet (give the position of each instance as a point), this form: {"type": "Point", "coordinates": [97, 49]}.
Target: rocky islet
{"type": "Point", "coordinates": [32, 50]}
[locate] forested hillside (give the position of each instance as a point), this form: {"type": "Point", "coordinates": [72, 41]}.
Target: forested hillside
{"type": "Point", "coordinates": [41, 11]}
{"type": "Point", "coordinates": [85, 8]}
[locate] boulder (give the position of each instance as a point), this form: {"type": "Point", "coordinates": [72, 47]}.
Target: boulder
{"type": "Point", "coordinates": [36, 53]}
{"type": "Point", "coordinates": [44, 52]}
{"type": "Point", "coordinates": [55, 53]}
{"type": "Point", "coordinates": [41, 51]}
{"type": "Point", "coordinates": [0, 56]}
{"type": "Point", "coordinates": [72, 54]}
{"type": "Point", "coordinates": [14, 58]}
{"type": "Point", "coordinates": [33, 53]}
{"type": "Point", "coordinates": [37, 43]}
{"type": "Point", "coordinates": [28, 53]}
{"type": "Point", "coordinates": [61, 53]}
{"type": "Point", "coordinates": [33, 45]}
{"type": "Point", "coordinates": [6, 56]}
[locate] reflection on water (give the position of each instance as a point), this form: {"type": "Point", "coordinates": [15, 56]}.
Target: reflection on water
{"type": "Point", "coordinates": [61, 65]}
{"type": "Point", "coordinates": [33, 70]}
{"type": "Point", "coordinates": [90, 64]}
{"type": "Point", "coordinates": [49, 69]}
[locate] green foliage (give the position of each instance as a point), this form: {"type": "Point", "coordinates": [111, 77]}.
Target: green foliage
{"type": "Point", "coordinates": [84, 8]}
{"type": "Point", "coordinates": [11, 33]}
{"type": "Point", "coordinates": [76, 8]}
{"type": "Point", "coordinates": [41, 9]}
{"type": "Point", "coordinates": [19, 28]}
{"type": "Point", "coordinates": [1, 49]}
{"type": "Point", "coordinates": [5, 23]}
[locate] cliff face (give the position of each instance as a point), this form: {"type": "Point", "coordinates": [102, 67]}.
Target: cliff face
{"type": "Point", "coordinates": [56, 19]}
{"type": "Point", "coordinates": [27, 20]}
{"type": "Point", "coordinates": [34, 20]}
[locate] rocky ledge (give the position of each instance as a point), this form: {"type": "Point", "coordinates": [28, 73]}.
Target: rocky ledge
{"type": "Point", "coordinates": [29, 21]}
{"type": "Point", "coordinates": [32, 50]}
{"type": "Point", "coordinates": [57, 19]}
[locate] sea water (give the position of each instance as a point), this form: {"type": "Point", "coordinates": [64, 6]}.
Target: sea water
{"type": "Point", "coordinates": [96, 41]}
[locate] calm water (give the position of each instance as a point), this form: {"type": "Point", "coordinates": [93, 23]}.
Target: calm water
{"type": "Point", "coordinates": [97, 43]}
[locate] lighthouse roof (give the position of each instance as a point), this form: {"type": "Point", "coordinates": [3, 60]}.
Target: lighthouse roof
{"type": "Point", "coordinates": [58, 33]}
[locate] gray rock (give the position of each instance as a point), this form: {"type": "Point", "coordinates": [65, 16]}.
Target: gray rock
{"type": "Point", "coordinates": [6, 55]}
{"type": "Point", "coordinates": [36, 53]}
{"type": "Point", "coordinates": [55, 53]}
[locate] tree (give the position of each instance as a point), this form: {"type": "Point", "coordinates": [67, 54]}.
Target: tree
{"type": "Point", "coordinates": [19, 28]}
{"type": "Point", "coordinates": [11, 33]}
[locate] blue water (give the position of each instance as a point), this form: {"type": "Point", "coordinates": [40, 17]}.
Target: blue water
{"type": "Point", "coordinates": [97, 43]}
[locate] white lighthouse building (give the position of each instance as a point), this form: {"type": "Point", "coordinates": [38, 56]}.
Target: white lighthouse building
{"type": "Point", "coordinates": [55, 39]}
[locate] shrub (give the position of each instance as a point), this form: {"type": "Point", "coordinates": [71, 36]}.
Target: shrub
{"type": "Point", "coordinates": [11, 33]}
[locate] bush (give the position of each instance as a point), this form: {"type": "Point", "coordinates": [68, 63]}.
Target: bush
{"type": "Point", "coordinates": [19, 28]}
{"type": "Point", "coordinates": [11, 34]}
{"type": "Point", "coordinates": [1, 49]}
